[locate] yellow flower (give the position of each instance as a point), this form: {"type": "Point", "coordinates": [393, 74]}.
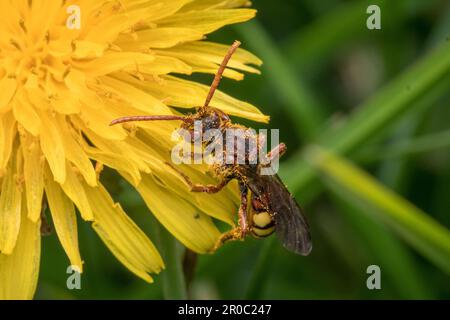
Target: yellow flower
{"type": "Point", "coordinates": [67, 68]}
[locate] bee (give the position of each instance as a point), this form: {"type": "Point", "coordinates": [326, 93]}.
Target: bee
{"type": "Point", "coordinates": [266, 206]}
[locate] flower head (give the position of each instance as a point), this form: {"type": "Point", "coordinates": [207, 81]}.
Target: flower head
{"type": "Point", "coordinates": [67, 68]}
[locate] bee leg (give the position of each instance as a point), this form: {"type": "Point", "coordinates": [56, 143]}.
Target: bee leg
{"type": "Point", "coordinates": [197, 187]}
{"type": "Point", "coordinates": [275, 153]}
{"type": "Point", "coordinates": [232, 235]}
{"type": "Point", "coordinates": [242, 229]}
{"type": "Point", "coordinates": [208, 188]}
{"type": "Point", "coordinates": [242, 213]}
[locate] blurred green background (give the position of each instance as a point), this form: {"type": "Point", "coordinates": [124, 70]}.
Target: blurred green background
{"type": "Point", "coordinates": [377, 103]}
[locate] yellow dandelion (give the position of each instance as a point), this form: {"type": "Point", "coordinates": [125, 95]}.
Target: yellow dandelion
{"type": "Point", "coordinates": [67, 68]}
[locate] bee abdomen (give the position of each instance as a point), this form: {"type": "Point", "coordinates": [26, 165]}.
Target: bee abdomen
{"type": "Point", "coordinates": [263, 224]}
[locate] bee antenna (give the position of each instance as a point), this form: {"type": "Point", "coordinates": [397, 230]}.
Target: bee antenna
{"type": "Point", "coordinates": [149, 118]}
{"type": "Point", "coordinates": [219, 73]}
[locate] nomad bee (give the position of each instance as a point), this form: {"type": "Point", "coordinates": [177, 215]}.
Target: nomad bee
{"type": "Point", "coordinates": [266, 205]}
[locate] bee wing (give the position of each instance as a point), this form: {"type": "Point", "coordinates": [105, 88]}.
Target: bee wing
{"type": "Point", "coordinates": [290, 223]}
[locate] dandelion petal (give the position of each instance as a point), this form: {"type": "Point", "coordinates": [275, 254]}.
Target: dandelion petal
{"type": "Point", "coordinates": [34, 175]}
{"type": "Point", "coordinates": [7, 88]}
{"type": "Point", "coordinates": [75, 191]}
{"type": "Point", "coordinates": [19, 271]}
{"type": "Point", "coordinates": [7, 134]}
{"type": "Point", "coordinates": [26, 115]}
{"type": "Point", "coordinates": [193, 228]}
{"type": "Point", "coordinates": [10, 204]}
{"type": "Point", "coordinates": [52, 147]}
{"type": "Point", "coordinates": [122, 236]}
{"type": "Point", "coordinates": [207, 21]}
{"type": "Point", "coordinates": [75, 153]}
{"type": "Point", "coordinates": [64, 219]}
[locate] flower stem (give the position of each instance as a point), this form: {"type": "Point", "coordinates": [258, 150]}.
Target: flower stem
{"type": "Point", "coordinates": [174, 286]}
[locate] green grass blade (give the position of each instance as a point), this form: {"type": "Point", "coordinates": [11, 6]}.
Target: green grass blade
{"type": "Point", "coordinates": [418, 229]}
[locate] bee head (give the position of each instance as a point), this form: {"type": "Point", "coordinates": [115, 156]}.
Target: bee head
{"type": "Point", "coordinates": [209, 118]}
